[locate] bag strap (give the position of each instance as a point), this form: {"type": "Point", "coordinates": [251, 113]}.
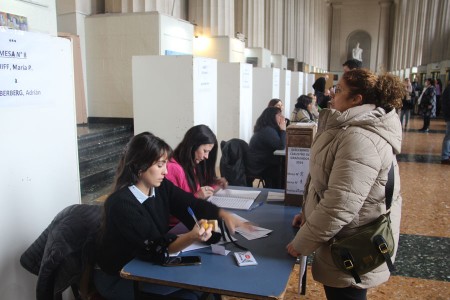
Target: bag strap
{"type": "Point", "coordinates": [224, 229]}
{"type": "Point", "coordinates": [389, 190]}
{"type": "Point", "coordinates": [382, 247]}
{"type": "Point", "coordinates": [349, 263]}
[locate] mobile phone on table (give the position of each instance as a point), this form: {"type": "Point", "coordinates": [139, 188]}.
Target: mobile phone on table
{"type": "Point", "coordinates": [182, 261]}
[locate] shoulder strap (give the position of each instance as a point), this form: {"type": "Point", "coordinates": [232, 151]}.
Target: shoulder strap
{"type": "Point", "coordinates": [389, 191]}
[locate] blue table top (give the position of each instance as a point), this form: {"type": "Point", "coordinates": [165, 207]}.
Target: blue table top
{"type": "Point", "coordinates": [221, 275]}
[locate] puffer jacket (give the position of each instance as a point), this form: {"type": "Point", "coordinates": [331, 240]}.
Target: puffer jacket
{"type": "Point", "coordinates": [59, 254]}
{"type": "Point", "coordinates": [350, 159]}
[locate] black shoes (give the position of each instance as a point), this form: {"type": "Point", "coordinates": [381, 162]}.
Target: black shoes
{"type": "Point", "coordinates": [445, 161]}
{"type": "Point", "coordinates": [424, 130]}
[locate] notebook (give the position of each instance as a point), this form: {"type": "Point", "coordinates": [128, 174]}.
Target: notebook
{"type": "Point", "coordinates": [234, 199]}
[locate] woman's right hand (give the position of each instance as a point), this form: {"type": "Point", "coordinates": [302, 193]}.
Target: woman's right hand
{"type": "Point", "coordinates": [204, 192]}
{"type": "Point", "coordinates": [203, 233]}
{"type": "Point", "coordinates": [282, 123]}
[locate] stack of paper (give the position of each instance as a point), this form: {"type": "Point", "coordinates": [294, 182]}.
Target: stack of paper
{"type": "Point", "coordinates": [275, 197]}
{"type": "Point", "coordinates": [234, 199]}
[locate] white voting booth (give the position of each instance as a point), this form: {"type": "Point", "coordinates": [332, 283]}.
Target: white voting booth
{"type": "Point", "coordinates": [285, 92]}
{"type": "Point", "coordinates": [266, 85]}
{"type": "Point", "coordinates": [38, 157]}
{"type": "Point", "coordinates": [297, 88]}
{"type": "Point", "coordinates": [234, 101]}
{"type": "Point", "coordinates": [173, 93]}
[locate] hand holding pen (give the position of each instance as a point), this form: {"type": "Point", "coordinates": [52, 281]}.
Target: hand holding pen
{"type": "Point", "coordinates": [202, 231]}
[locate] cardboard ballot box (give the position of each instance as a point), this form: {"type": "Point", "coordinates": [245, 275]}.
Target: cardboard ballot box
{"type": "Point", "coordinates": [298, 146]}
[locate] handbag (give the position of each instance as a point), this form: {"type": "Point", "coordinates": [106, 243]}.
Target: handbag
{"type": "Point", "coordinates": [371, 246]}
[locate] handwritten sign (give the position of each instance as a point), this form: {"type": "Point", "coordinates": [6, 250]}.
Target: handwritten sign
{"type": "Point", "coordinates": [297, 170]}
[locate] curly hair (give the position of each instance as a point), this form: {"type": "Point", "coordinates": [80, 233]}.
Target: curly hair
{"type": "Point", "coordinates": [384, 91]}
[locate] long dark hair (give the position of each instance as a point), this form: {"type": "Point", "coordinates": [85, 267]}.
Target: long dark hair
{"type": "Point", "coordinates": [273, 102]}
{"type": "Point", "coordinates": [142, 151]}
{"type": "Point", "coordinates": [203, 173]}
{"type": "Point", "coordinates": [267, 118]}
{"type": "Point", "coordinates": [302, 103]}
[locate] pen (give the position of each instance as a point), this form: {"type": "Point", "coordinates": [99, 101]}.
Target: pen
{"type": "Point", "coordinates": [256, 205]}
{"type": "Point", "coordinates": [191, 212]}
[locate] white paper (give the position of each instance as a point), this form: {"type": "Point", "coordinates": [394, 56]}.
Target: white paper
{"type": "Point", "coordinates": [234, 199]}
{"type": "Point", "coordinates": [219, 249]}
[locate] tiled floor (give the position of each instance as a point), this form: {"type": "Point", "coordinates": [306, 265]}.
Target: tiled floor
{"type": "Point", "coordinates": [423, 264]}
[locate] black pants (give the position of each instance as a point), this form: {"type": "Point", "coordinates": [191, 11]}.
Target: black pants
{"type": "Point", "coordinates": [426, 122]}
{"type": "Point", "coordinates": [348, 293]}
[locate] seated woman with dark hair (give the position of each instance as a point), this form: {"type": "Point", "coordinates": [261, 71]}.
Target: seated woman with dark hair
{"type": "Point", "coordinates": [193, 166]}
{"type": "Point", "coordinates": [269, 135]}
{"type": "Point", "coordinates": [136, 220]}
{"type": "Point", "coordinates": [302, 112]}
{"type": "Point", "coordinates": [275, 102]}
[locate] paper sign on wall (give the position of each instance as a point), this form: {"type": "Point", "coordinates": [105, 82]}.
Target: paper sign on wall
{"type": "Point", "coordinates": [297, 170]}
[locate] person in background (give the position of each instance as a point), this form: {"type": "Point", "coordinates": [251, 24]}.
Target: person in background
{"type": "Point", "coordinates": [352, 153]}
{"type": "Point", "coordinates": [302, 112]}
{"type": "Point", "coordinates": [320, 91]}
{"type": "Point", "coordinates": [314, 108]}
{"type": "Point", "coordinates": [405, 112]}
{"type": "Point", "coordinates": [193, 166]}
{"type": "Point", "coordinates": [446, 112]}
{"type": "Point", "coordinates": [351, 64]}
{"type": "Point", "coordinates": [438, 88]}
{"type": "Point", "coordinates": [136, 219]}
{"type": "Point", "coordinates": [427, 104]}
{"type": "Point", "coordinates": [275, 102]}
{"type": "Point", "coordinates": [269, 135]}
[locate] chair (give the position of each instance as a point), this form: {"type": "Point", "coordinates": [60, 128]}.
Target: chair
{"type": "Point", "coordinates": [60, 255]}
{"type": "Point", "coordinates": [233, 164]}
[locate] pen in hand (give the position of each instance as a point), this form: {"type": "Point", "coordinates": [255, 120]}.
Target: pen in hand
{"type": "Point", "coordinates": [191, 212]}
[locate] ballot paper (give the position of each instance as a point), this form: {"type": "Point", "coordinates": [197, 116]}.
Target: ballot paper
{"type": "Point", "coordinates": [256, 233]}
{"type": "Point", "coordinates": [251, 234]}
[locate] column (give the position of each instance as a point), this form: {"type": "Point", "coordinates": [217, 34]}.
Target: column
{"type": "Point", "coordinates": [274, 26]}
{"type": "Point", "coordinates": [250, 21]}
{"type": "Point", "coordinates": [335, 54]}
{"type": "Point", "coordinates": [213, 18]}
{"type": "Point", "coordinates": [300, 31]}
{"type": "Point", "coordinates": [383, 37]}
{"type": "Point", "coordinates": [290, 25]}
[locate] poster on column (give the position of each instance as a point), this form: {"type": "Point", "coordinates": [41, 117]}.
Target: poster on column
{"type": "Point", "coordinates": [25, 71]}
{"type": "Point", "coordinates": [297, 170]}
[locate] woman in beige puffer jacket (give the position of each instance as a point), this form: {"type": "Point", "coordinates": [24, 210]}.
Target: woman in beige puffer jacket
{"type": "Point", "coordinates": [354, 148]}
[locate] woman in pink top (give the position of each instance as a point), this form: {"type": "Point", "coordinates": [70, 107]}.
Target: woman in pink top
{"type": "Point", "coordinates": [193, 166]}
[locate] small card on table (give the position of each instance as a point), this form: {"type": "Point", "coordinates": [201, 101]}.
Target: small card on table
{"type": "Point", "coordinates": [245, 259]}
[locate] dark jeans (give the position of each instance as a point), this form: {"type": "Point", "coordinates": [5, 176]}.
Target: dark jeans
{"type": "Point", "coordinates": [348, 293]}
{"type": "Point", "coordinates": [426, 121]}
